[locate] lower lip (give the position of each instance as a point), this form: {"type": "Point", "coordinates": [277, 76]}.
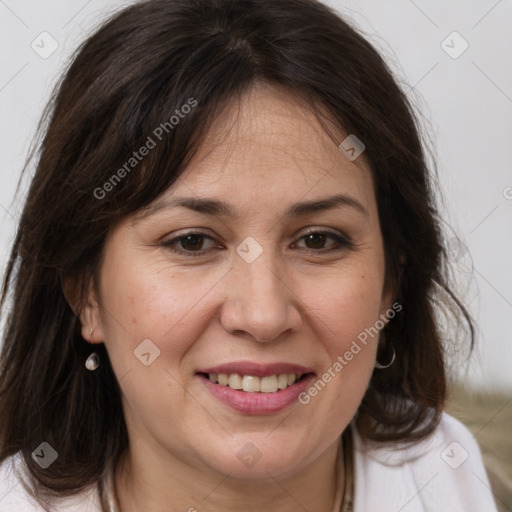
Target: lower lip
{"type": "Point", "coordinates": [258, 403]}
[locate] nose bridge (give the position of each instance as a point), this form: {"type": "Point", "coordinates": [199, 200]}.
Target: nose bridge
{"type": "Point", "coordinates": [261, 280]}
{"type": "Point", "coordinates": [259, 302]}
{"type": "Point", "coordinates": [257, 262]}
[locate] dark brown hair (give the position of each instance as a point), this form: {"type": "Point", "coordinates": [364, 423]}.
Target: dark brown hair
{"type": "Point", "coordinates": [127, 79]}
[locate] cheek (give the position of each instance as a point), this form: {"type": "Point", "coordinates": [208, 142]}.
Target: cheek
{"type": "Point", "coordinates": [347, 312]}
{"type": "Point", "coordinates": [349, 305]}
{"type": "Point", "coordinates": [154, 302]}
{"type": "Point", "coordinates": [147, 302]}
{"type": "Point", "coordinates": [344, 315]}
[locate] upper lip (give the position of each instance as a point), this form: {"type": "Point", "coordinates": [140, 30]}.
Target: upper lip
{"type": "Point", "coordinates": [256, 369]}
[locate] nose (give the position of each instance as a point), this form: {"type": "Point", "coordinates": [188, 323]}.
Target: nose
{"type": "Point", "coordinates": [260, 305]}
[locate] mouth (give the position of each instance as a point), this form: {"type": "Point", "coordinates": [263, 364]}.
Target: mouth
{"type": "Point", "coordinates": [254, 384]}
{"type": "Point", "coordinates": [256, 389]}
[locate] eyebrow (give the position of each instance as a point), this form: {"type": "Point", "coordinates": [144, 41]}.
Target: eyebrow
{"type": "Point", "coordinates": [214, 207]}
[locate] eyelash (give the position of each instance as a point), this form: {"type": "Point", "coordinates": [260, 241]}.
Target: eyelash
{"type": "Point", "coordinates": [342, 242]}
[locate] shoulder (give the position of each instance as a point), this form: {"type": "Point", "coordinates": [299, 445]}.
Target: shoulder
{"type": "Point", "coordinates": [15, 497]}
{"type": "Point", "coordinates": [442, 472]}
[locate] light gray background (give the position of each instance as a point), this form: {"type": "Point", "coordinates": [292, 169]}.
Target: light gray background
{"type": "Point", "coordinates": [466, 101]}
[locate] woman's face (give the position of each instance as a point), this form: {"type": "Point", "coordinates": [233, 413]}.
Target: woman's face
{"type": "Point", "coordinates": [229, 285]}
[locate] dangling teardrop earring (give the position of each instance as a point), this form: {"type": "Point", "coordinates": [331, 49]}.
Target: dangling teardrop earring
{"type": "Point", "coordinates": [93, 361]}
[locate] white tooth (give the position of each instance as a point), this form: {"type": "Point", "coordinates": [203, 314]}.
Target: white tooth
{"type": "Point", "coordinates": [282, 381]}
{"type": "Point", "coordinates": [251, 383]}
{"type": "Point", "coordinates": [269, 384]}
{"type": "Point", "coordinates": [235, 381]}
{"type": "Point", "coordinates": [291, 378]}
{"type": "Point", "coordinates": [223, 379]}
{"type": "Point", "coordinates": [213, 377]}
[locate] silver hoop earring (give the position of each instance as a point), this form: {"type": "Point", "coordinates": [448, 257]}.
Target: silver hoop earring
{"type": "Point", "coordinates": [92, 362]}
{"type": "Point", "coordinates": [379, 366]}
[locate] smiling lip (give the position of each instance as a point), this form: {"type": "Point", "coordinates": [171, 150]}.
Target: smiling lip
{"type": "Point", "coordinates": [257, 403]}
{"type": "Point", "coordinates": [256, 369]}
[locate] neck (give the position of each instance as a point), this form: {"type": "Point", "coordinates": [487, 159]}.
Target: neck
{"type": "Point", "coordinates": [142, 486]}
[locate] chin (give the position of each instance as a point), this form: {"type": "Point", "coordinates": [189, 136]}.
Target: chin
{"type": "Point", "coordinates": [257, 457]}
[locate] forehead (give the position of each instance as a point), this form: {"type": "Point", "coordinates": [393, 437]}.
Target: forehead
{"type": "Point", "coordinates": [269, 147]}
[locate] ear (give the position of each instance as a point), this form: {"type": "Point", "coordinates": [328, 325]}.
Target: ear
{"type": "Point", "coordinates": [88, 311]}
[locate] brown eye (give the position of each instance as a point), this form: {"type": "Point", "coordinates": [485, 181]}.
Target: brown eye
{"type": "Point", "coordinates": [316, 241]}
{"type": "Point", "coordinates": [191, 244]}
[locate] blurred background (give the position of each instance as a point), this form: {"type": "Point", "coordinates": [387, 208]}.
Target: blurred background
{"type": "Point", "coordinates": [453, 60]}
